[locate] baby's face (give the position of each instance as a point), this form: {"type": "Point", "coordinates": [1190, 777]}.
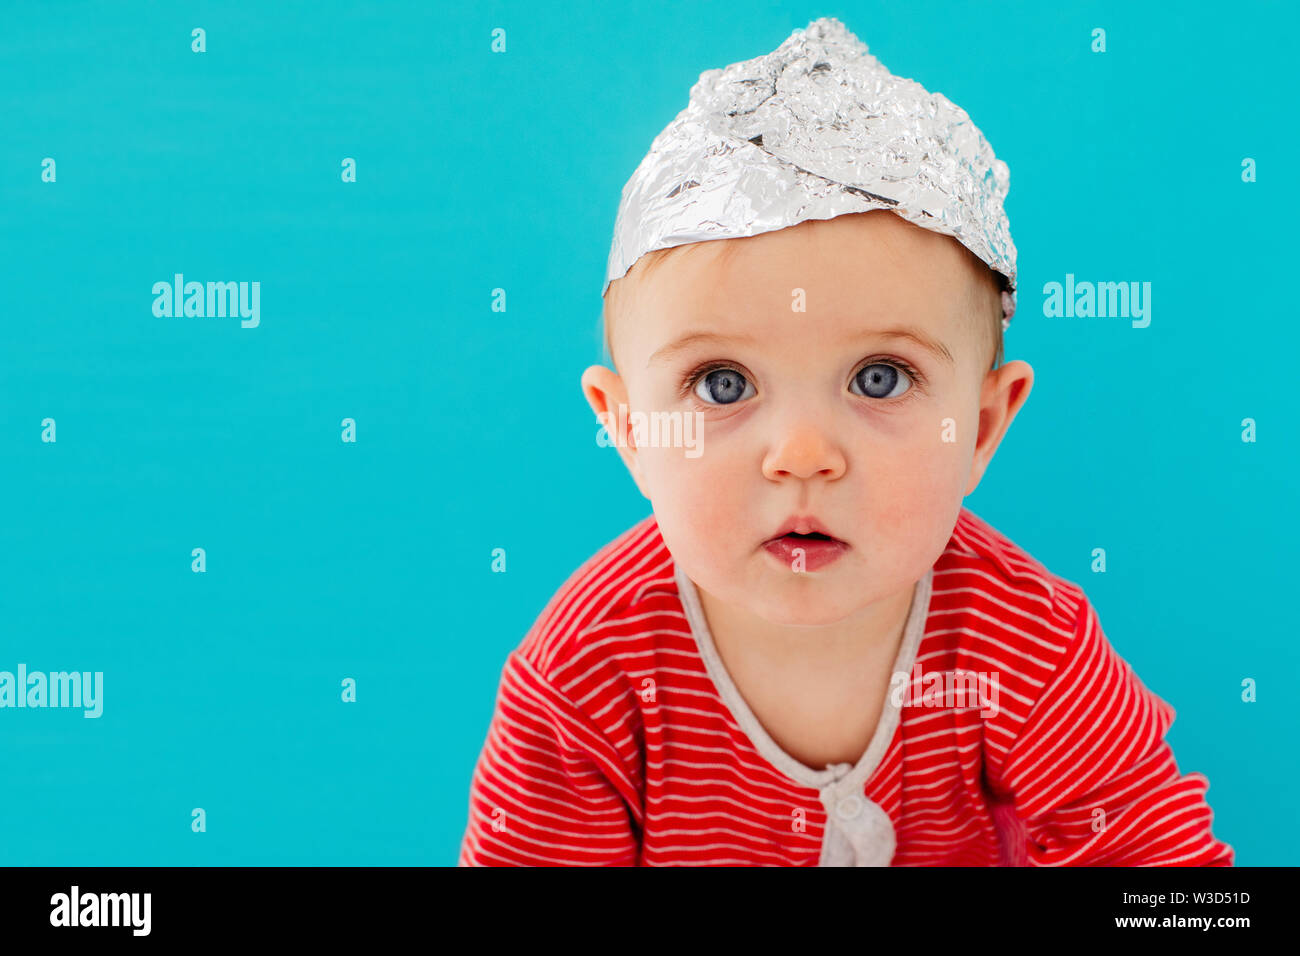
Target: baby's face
{"type": "Point", "coordinates": [872, 411]}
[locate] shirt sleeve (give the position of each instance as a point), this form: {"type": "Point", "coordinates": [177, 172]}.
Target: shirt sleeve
{"type": "Point", "coordinates": [1090, 776]}
{"type": "Point", "coordinates": [548, 789]}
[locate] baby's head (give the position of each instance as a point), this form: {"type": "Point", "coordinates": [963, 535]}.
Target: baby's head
{"type": "Point", "coordinates": [809, 262]}
{"type": "Point", "coordinates": [843, 371]}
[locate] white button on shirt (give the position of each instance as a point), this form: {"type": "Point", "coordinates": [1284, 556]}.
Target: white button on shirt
{"type": "Point", "coordinates": [858, 831]}
{"type": "Point", "coordinates": [849, 807]}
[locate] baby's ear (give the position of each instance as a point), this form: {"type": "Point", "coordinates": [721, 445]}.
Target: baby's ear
{"type": "Point", "coordinates": [607, 396]}
{"type": "Point", "coordinates": [1002, 395]}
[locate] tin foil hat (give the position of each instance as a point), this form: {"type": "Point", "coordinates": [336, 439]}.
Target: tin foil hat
{"type": "Point", "coordinates": [813, 130]}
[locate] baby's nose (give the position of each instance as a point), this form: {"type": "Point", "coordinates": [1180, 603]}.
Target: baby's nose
{"type": "Point", "coordinates": [803, 450]}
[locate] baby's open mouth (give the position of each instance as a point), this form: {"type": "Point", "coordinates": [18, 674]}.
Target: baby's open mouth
{"type": "Point", "coordinates": [804, 530]}
{"type": "Point", "coordinates": [805, 550]}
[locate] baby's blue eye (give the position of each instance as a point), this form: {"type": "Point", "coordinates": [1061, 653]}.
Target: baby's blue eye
{"type": "Point", "coordinates": [723, 386]}
{"type": "Point", "coordinates": [880, 380]}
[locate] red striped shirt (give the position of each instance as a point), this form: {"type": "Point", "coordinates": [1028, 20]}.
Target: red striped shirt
{"type": "Point", "coordinates": [612, 742]}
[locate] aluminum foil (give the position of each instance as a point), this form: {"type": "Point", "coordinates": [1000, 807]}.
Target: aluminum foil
{"type": "Point", "coordinates": [813, 130]}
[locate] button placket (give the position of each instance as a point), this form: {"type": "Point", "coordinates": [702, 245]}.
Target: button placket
{"type": "Point", "coordinates": [860, 833]}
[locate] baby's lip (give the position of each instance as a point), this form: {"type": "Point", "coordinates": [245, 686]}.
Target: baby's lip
{"type": "Point", "coordinates": [803, 524]}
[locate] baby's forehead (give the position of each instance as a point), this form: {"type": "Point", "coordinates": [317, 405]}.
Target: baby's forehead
{"type": "Point", "coordinates": [848, 264]}
{"type": "Point", "coordinates": [814, 287]}
{"type": "Point", "coordinates": [851, 245]}
{"type": "Point", "coordinates": [796, 321]}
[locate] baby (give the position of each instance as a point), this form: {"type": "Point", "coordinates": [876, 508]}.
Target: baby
{"type": "Point", "coordinates": [811, 653]}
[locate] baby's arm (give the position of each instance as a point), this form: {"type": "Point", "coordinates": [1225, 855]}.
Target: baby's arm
{"type": "Point", "coordinates": [1092, 778]}
{"type": "Point", "coordinates": [548, 789]}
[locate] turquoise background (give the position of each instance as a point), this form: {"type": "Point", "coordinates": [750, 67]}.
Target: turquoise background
{"type": "Point", "coordinates": [477, 170]}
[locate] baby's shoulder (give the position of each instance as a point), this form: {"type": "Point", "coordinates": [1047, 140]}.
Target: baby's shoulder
{"type": "Point", "coordinates": [995, 610]}
{"type": "Point", "coordinates": [1002, 590]}
{"type": "Point", "coordinates": [616, 601]}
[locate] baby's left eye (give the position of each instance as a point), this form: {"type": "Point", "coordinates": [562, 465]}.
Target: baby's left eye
{"type": "Point", "coordinates": [881, 380]}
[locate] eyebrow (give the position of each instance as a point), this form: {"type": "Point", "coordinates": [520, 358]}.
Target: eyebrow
{"type": "Point", "coordinates": [933, 346]}
{"type": "Point", "coordinates": [696, 338]}
{"type": "Point", "coordinates": [936, 348]}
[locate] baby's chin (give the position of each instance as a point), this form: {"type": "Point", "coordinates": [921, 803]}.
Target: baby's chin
{"type": "Point", "coordinates": [806, 604]}
{"type": "Point", "coordinates": [796, 600]}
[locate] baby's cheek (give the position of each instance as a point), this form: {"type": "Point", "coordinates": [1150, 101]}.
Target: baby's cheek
{"type": "Point", "coordinates": [698, 502]}
{"type": "Point", "coordinates": [913, 495]}
{"type": "Point", "coordinates": [673, 474]}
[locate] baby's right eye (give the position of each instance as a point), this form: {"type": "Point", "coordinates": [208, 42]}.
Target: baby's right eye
{"type": "Point", "coordinates": [723, 386]}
